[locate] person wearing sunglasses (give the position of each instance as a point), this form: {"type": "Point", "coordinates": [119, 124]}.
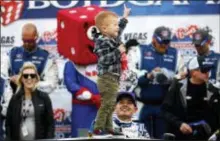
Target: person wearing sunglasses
{"type": "Point", "coordinates": [29, 114]}
{"type": "Point", "coordinates": [157, 65]}
{"type": "Point", "coordinates": [29, 51]}
{"type": "Point", "coordinates": [202, 40]}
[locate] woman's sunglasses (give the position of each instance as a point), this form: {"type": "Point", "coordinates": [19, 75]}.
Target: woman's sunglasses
{"type": "Point", "coordinates": [32, 76]}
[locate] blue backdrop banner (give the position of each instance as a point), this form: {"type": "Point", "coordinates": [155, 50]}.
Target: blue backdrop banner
{"type": "Point", "coordinates": [48, 9]}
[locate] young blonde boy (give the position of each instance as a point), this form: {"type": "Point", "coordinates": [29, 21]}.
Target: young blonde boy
{"type": "Point", "coordinates": [108, 48]}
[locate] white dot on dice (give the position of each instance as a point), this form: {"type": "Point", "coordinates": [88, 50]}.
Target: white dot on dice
{"type": "Point", "coordinates": [17, 16]}
{"type": "Point", "coordinates": [62, 25]}
{"type": "Point", "coordinates": [72, 11]}
{"type": "Point", "coordinates": [10, 8]}
{"type": "Point", "coordinates": [83, 17]}
{"type": "Point", "coordinates": [90, 8]}
{"type": "Point", "coordinates": [18, 11]}
{"type": "Point", "coordinates": [2, 9]}
{"type": "Point", "coordinates": [73, 50]}
{"type": "Point", "coordinates": [19, 6]}
{"type": "Point", "coordinates": [8, 15]}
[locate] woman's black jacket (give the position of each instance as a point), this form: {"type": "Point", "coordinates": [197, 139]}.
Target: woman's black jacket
{"type": "Point", "coordinates": [44, 121]}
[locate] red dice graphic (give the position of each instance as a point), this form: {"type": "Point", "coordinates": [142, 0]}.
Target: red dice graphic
{"type": "Point", "coordinates": [11, 10]}
{"type": "Point", "coordinates": [74, 39]}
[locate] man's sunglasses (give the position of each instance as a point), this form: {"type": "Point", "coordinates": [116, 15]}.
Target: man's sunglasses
{"type": "Point", "coordinates": [198, 45]}
{"type": "Point", "coordinates": [165, 42]}
{"type": "Point", "coordinates": [32, 76]}
{"type": "Point", "coordinates": [28, 40]}
{"type": "Point", "coordinates": [160, 41]}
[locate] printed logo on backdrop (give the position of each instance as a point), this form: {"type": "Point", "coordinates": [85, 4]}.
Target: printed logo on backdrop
{"type": "Point", "coordinates": [48, 41]}
{"type": "Point", "coordinates": [7, 41]}
{"type": "Point", "coordinates": [61, 102]}
{"type": "Point", "coordinates": [182, 40]}
{"type": "Point", "coordinates": [141, 37]}
{"type": "Point", "coordinates": [62, 123]}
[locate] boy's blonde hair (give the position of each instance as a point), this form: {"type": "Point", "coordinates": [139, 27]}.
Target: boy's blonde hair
{"type": "Point", "coordinates": [26, 65]}
{"type": "Point", "coordinates": [102, 19]}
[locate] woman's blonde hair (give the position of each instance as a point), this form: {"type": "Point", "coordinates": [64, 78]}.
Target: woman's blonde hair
{"type": "Point", "coordinates": [102, 18]}
{"type": "Point", "coordinates": [26, 65]}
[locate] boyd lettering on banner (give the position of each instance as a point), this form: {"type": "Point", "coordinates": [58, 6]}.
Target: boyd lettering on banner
{"type": "Point", "coordinates": [48, 9]}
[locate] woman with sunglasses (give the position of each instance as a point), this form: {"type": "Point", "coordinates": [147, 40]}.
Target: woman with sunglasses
{"type": "Point", "coordinates": [30, 114]}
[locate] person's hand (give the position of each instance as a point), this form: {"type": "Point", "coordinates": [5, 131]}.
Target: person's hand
{"type": "Point", "coordinates": [122, 48]}
{"type": "Point", "coordinates": [150, 75]}
{"type": "Point", "coordinates": [181, 75]}
{"type": "Point", "coordinates": [185, 128]}
{"type": "Point", "coordinates": [126, 12]}
{"type": "Point", "coordinates": [14, 78]}
{"type": "Point", "coordinates": [157, 69]}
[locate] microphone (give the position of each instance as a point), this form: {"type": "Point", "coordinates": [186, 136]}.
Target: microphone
{"type": "Point", "coordinates": [161, 78]}
{"type": "Point", "coordinates": [169, 136]}
{"type": "Point", "coordinates": [215, 136]}
{"type": "Point", "coordinates": [201, 129]}
{"type": "Point", "coordinates": [95, 32]}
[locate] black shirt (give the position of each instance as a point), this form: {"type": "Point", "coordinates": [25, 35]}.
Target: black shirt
{"type": "Point", "coordinates": [196, 105]}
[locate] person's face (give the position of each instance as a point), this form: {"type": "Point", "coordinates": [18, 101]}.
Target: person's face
{"type": "Point", "coordinates": [125, 108]}
{"type": "Point", "coordinates": [29, 38]}
{"type": "Point", "coordinates": [161, 47]}
{"type": "Point", "coordinates": [202, 50]}
{"type": "Point", "coordinates": [199, 76]}
{"type": "Point", "coordinates": [111, 27]}
{"type": "Point", "coordinates": [29, 78]}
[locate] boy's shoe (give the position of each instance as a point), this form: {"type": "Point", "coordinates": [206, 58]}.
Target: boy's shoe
{"type": "Point", "coordinates": [99, 134]}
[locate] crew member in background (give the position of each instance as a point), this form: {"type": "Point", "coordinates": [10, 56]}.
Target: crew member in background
{"type": "Point", "coordinates": [202, 40]}
{"type": "Point", "coordinates": [158, 64]}
{"type": "Point", "coordinates": [189, 107]}
{"type": "Point", "coordinates": [29, 51]}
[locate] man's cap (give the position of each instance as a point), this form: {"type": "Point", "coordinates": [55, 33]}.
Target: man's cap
{"type": "Point", "coordinates": [199, 63]}
{"type": "Point", "coordinates": [126, 94]}
{"type": "Point", "coordinates": [162, 34]}
{"type": "Point", "coordinates": [200, 37]}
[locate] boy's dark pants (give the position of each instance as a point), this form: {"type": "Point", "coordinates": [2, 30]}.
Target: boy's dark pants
{"type": "Point", "coordinates": [108, 85]}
